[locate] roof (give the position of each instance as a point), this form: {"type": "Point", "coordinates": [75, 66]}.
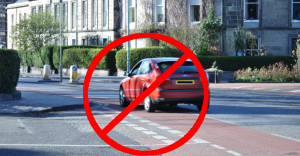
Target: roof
{"type": "Point", "coordinates": [21, 1]}
{"type": "Point", "coordinates": [164, 59]}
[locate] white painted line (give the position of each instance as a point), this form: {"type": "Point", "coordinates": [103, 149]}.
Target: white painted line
{"type": "Point", "coordinates": [234, 153]}
{"type": "Point", "coordinates": [200, 141]}
{"type": "Point", "coordinates": [153, 124]}
{"type": "Point", "coordinates": [295, 91]}
{"type": "Point", "coordinates": [218, 147]}
{"type": "Point", "coordinates": [275, 90]}
{"type": "Point", "coordinates": [130, 115]}
{"type": "Point", "coordinates": [159, 137]}
{"type": "Point", "coordinates": [24, 126]}
{"type": "Point", "coordinates": [183, 136]}
{"type": "Point", "coordinates": [144, 121]}
{"type": "Point", "coordinates": [174, 131]}
{"type": "Point", "coordinates": [285, 137]}
{"type": "Point", "coordinates": [257, 88]}
{"type": "Point", "coordinates": [108, 115]}
{"type": "Point", "coordinates": [140, 128]}
{"type": "Point", "coordinates": [149, 132]}
{"type": "Point", "coordinates": [132, 125]}
{"type": "Point", "coordinates": [124, 121]}
{"type": "Point", "coordinates": [136, 117]}
{"type": "Point", "coordinates": [163, 127]}
{"type": "Point", "coordinates": [169, 141]}
{"type": "Point", "coordinates": [241, 87]}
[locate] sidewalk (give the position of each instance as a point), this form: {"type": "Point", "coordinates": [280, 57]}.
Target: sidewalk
{"type": "Point", "coordinates": [40, 102]}
{"type": "Point", "coordinates": [111, 79]}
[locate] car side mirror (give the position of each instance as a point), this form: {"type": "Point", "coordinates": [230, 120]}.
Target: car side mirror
{"type": "Point", "coordinates": [127, 74]}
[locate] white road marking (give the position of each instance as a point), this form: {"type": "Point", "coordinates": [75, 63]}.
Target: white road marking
{"type": "Point", "coordinates": [257, 88]}
{"type": "Point", "coordinates": [130, 115]}
{"type": "Point", "coordinates": [140, 128]}
{"type": "Point", "coordinates": [294, 91]}
{"type": "Point", "coordinates": [241, 87]}
{"type": "Point", "coordinates": [124, 121]}
{"type": "Point", "coordinates": [24, 126]}
{"type": "Point", "coordinates": [169, 141]}
{"type": "Point", "coordinates": [159, 137]}
{"type": "Point", "coordinates": [200, 141]}
{"type": "Point", "coordinates": [153, 124]}
{"type": "Point", "coordinates": [174, 131]}
{"type": "Point", "coordinates": [108, 115]}
{"type": "Point", "coordinates": [163, 127]}
{"type": "Point", "coordinates": [285, 137]}
{"type": "Point", "coordinates": [218, 147]}
{"type": "Point", "coordinates": [149, 132]}
{"type": "Point", "coordinates": [136, 117]}
{"type": "Point", "coordinates": [275, 90]}
{"type": "Point", "coordinates": [234, 153]}
{"type": "Point", "coordinates": [132, 125]}
{"type": "Point", "coordinates": [144, 121]}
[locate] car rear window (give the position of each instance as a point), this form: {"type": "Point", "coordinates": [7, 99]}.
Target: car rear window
{"type": "Point", "coordinates": [185, 68]}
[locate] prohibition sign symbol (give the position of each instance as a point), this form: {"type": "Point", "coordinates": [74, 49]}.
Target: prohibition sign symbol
{"type": "Point", "coordinates": [102, 133]}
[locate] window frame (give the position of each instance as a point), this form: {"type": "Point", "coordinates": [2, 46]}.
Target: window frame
{"type": "Point", "coordinates": [163, 10]}
{"type": "Point", "coordinates": [74, 24]}
{"type": "Point", "coordinates": [48, 8]}
{"type": "Point", "coordinates": [65, 14]}
{"type": "Point", "coordinates": [95, 13]}
{"type": "Point", "coordinates": [132, 6]}
{"type": "Point", "coordinates": [141, 66]}
{"type": "Point", "coordinates": [292, 12]}
{"type": "Point", "coordinates": [258, 45]}
{"type": "Point", "coordinates": [33, 10]}
{"type": "Point", "coordinates": [40, 8]}
{"type": "Point", "coordinates": [190, 12]}
{"type": "Point", "coordinates": [105, 10]}
{"type": "Point", "coordinates": [245, 18]}
{"type": "Point", "coordinates": [102, 38]}
{"type": "Point", "coordinates": [84, 14]}
{"type": "Point", "coordinates": [56, 10]}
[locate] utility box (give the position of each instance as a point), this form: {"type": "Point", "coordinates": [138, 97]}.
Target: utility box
{"type": "Point", "coordinates": [46, 73]}
{"type": "Point", "coordinates": [73, 74]}
{"type": "Point", "coordinates": [214, 76]}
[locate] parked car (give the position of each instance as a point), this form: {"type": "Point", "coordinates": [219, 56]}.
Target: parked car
{"type": "Point", "coordinates": [183, 86]}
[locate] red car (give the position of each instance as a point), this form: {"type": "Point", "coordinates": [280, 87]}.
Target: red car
{"type": "Point", "coordinates": [183, 86]}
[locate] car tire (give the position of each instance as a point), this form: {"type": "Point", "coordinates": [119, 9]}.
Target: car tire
{"type": "Point", "coordinates": [123, 101]}
{"type": "Point", "coordinates": [148, 104]}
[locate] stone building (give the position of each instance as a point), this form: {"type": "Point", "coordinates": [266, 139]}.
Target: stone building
{"type": "Point", "coordinates": [3, 21]}
{"type": "Point", "coordinates": [276, 23]}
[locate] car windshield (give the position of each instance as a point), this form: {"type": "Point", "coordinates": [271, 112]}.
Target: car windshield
{"type": "Point", "coordinates": [185, 68]}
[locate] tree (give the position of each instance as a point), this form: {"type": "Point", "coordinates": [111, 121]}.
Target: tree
{"type": "Point", "coordinates": [35, 31]}
{"type": "Point", "coordinates": [238, 40]}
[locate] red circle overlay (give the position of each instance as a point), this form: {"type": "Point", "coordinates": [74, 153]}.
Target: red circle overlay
{"type": "Point", "coordinates": [102, 133]}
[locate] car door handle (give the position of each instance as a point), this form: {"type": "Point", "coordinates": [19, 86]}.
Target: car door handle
{"type": "Point", "coordinates": [142, 79]}
{"type": "Point", "coordinates": [131, 80]}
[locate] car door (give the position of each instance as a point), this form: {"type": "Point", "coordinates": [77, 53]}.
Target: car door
{"type": "Point", "coordinates": [143, 77]}
{"type": "Point", "coordinates": [130, 84]}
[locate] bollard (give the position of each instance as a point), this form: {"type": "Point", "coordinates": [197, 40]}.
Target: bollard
{"type": "Point", "coordinates": [73, 74]}
{"type": "Point", "coordinates": [46, 73]}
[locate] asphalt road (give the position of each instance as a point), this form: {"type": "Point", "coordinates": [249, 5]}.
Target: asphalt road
{"type": "Point", "coordinates": [238, 122]}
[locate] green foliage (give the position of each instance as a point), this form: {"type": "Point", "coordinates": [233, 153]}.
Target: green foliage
{"type": "Point", "coordinates": [36, 59]}
{"type": "Point", "coordinates": [9, 70]}
{"type": "Point", "coordinates": [23, 57]}
{"type": "Point", "coordinates": [203, 50]}
{"type": "Point", "coordinates": [56, 52]}
{"type": "Point", "coordinates": [83, 58]}
{"type": "Point", "coordinates": [238, 40]}
{"type": "Point", "coordinates": [34, 32]}
{"type": "Point", "coordinates": [46, 55]}
{"type": "Point", "coordinates": [214, 65]}
{"type": "Point", "coordinates": [137, 54]}
{"type": "Point", "coordinates": [276, 72]}
{"type": "Point", "coordinates": [232, 63]}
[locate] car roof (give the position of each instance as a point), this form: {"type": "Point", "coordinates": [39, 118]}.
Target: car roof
{"type": "Point", "coordinates": [164, 59]}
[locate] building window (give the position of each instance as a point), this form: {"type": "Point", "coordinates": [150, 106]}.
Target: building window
{"type": "Point", "coordinates": [251, 9]}
{"type": "Point", "coordinates": [84, 14]}
{"type": "Point", "coordinates": [33, 11]}
{"type": "Point", "coordinates": [12, 20]}
{"type": "Point", "coordinates": [84, 42]}
{"type": "Point", "coordinates": [104, 40]}
{"type": "Point", "coordinates": [294, 44]}
{"type": "Point", "coordinates": [296, 10]}
{"type": "Point", "coordinates": [73, 41]}
{"type": "Point", "coordinates": [95, 13]}
{"type": "Point", "coordinates": [25, 15]}
{"type": "Point", "coordinates": [252, 47]}
{"type": "Point", "coordinates": [48, 9]}
{"type": "Point", "coordinates": [73, 15]}
{"type": "Point", "coordinates": [195, 10]}
{"type": "Point", "coordinates": [65, 42]}
{"type": "Point", "coordinates": [20, 17]}
{"type": "Point", "coordinates": [95, 42]}
{"type": "Point", "coordinates": [65, 17]}
{"type": "Point", "coordinates": [56, 12]}
{"type": "Point", "coordinates": [159, 10]}
{"type": "Point", "coordinates": [40, 9]}
{"type": "Point", "coordinates": [131, 10]}
{"type": "Point", "coordinates": [105, 12]}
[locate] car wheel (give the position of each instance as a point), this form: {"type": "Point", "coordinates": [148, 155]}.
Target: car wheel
{"type": "Point", "coordinates": [123, 101]}
{"type": "Point", "coordinates": [148, 105]}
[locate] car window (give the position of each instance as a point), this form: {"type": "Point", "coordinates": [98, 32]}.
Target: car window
{"type": "Point", "coordinates": [145, 67]}
{"type": "Point", "coordinates": [135, 69]}
{"type": "Point", "coordinates": [185, 68]}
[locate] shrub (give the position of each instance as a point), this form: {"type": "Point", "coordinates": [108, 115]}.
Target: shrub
{"type": "Point", "coordinates": [136, 54]}
{"type": "Point", "coordinates": [108, 62]}
{"type": "Point", "coordinates": [36, 59]}
{"type": "Point", "coordinates": [46, 55]}
{"type": "Point", "coordinates": [56, 52]}
{"type": "Point", "coordinates": [9, 70]}
{"type": "Point", "coordinates": [23, 57]}
{"type": "Point", "coordinates": [276, 72]}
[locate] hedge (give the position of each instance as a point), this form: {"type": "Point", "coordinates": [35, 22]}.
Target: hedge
{"type": "Point", "coordinates": [234, 63]}
{"type": "Point", "coordinates": [46, 55]}
{"type": "Point", "coordinates": [136, 54]}
{"type": "Point", "coordinates": [83, 58]}
{"type": "Point", "coordinates": [56, 52]}
{"type": "Point", "coordinates": [9, 70]}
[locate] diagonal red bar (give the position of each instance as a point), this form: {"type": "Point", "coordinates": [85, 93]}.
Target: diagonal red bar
{"type": "Point", "coordinates": [147, 92]}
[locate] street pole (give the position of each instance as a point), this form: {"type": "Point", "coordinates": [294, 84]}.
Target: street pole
{"type": "Point", "coordinates": [128, 32]}
{"type": "Point", "coordinates": [60, 38]}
